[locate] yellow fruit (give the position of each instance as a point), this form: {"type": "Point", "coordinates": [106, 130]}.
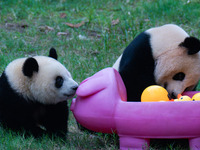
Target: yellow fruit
{"type": "Point", "coordinates": [196, 97]}
{"type": "Point", "coordinates": [154, 93]}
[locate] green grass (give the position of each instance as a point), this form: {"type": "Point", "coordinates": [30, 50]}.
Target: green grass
{"type": "Point", "coordinates": [23, 33]}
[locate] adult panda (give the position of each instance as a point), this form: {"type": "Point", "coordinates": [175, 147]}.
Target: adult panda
{"type": "Point", "coordinates": [34, 93]}
{"type": "Point", "coordinates": [165, 56]}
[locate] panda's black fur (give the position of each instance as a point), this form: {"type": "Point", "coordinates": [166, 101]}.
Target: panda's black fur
{"type": "Point", "coordinates": [133, 67]}
{"type": "Point", "coordinates": [35, 117]}
{"type": "Point", "coordinates": [18, 113]}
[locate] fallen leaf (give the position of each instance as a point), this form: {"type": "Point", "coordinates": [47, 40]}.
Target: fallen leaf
{"type": "Point", "coordinates": [45, 28]}
{"type": "Point", "coordinates": [115, 22]}
{"type": "Point", "coordinates": [75, 25]}
{"type": "Point", "coordinates": [62, 33]}
{"type": "Point", "coordinates": [49, 28]}
{"type": "Point", "coordinates": [63, 15]}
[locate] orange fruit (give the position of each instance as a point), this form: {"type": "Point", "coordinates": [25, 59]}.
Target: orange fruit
{"type": "Point", "coordinates": [154, 93]}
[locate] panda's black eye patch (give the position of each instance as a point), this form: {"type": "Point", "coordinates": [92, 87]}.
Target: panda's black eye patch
{"type": "Point", "coordinates": [59, 82]}
{"type": "Point", "coordinates": [179, 76]}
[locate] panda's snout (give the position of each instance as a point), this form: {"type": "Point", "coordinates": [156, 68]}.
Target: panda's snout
{"type": "Point", "coordinates": [172, 95]}
{"type": "Point", "coordinates": [71, 92]}
{"type": "Point", "coordinates": [75, 87]}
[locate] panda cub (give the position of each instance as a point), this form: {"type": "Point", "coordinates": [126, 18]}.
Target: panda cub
{"type": "Point", "coordinates": [34, 93]}
{"type": "Point", "coordinates": [165, 56]}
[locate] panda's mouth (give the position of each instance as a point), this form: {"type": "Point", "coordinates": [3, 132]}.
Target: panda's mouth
{"type": "Point", "coordinates": [69, 95]}
{"type": "Point", "coordinates": [190, 88]}
{"type": "Point", "coordinates": [174, 96]}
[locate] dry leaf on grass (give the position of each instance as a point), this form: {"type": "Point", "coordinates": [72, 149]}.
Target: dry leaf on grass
{"type": "Point", "coordinates": [115, 22]}
{"type": "Point", "coordinates": [62, 33]}
{"type": "Point", "coordinates": [63, 15]}
{"type": "Point", "coordinates": [45, 28]}
{"type": "Point", "coordinates": [75, 25]}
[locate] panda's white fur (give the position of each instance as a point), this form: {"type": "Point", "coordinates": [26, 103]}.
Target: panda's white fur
{"type": "Point", "coordinates": [169, 57]}
{"type": "Point", "coordinates": [116, 64]}
{"type": "Point", "coordinates": [170, 34]}
{"type": "Point", "coordinates": [41, 86]}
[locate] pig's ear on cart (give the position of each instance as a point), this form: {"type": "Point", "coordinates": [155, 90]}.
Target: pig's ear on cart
{"type": "Point", "coordinates": [91, 86]}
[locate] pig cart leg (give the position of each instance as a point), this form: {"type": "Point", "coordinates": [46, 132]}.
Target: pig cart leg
{"type": "Point", "coordinates": [194, 143]}
{"type": "Point", "coordinates": [130, 143]}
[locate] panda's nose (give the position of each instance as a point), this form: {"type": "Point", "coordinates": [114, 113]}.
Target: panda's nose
{"type": "Point", "coordinates": [75, 87]}
{"type": "Point", "coordinates": [172, 96]}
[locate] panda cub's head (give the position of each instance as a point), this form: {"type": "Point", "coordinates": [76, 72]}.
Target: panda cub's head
{"type": "Point", "coordinates": [164, 55]}
{"type": "Point", "coordinates": [41, 78]}
{"type": "Point", "coordinates": [177, 58]}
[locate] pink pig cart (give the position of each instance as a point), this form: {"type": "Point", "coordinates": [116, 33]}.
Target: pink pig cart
{"type": "Point", "coordinates": [101, 106]}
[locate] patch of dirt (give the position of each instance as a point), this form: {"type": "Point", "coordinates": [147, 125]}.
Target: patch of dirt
{"type": "Point", "coordinates": [15, 26]}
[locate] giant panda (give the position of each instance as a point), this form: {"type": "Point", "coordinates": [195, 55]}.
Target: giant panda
{"type": "Point", "coordinates": [165, 56]}
{"type": "Point", "coordinates": [33, 95]}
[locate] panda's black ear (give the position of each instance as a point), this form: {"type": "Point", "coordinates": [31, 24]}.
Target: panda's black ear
{"type": "Point", "coordinates": [53, 53]}
{"type": "Point", "coordinates": [192, 44]}
{"type": "Point", "coordinates": [30, 66]}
